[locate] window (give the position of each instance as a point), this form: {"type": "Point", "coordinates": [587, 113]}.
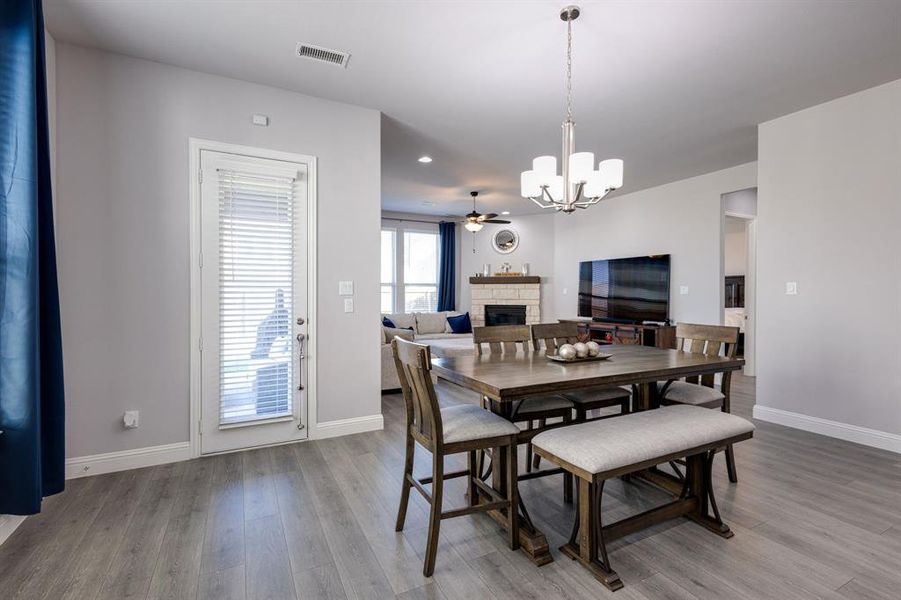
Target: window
{"type": "Point", "coordinates": [388, 271]}
{"type": "Point", "coordinates": [256, 284]}
{"type": "Point", "coordinates": [420, 271]}
{"type": "Point", "coordinates": [409, 280]}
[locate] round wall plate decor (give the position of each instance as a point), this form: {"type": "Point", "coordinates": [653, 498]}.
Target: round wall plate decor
{"type": "Point", "coordinates": [505, 240]}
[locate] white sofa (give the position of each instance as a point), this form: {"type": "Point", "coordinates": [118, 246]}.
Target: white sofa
{"type": "Point", "coordinates": [427, 327]}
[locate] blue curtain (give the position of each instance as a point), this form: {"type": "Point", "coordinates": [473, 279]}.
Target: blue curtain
{"type": "Point", "coordinates": [447, 235]}
{"type": "Point", "coordinates": [32, 419]}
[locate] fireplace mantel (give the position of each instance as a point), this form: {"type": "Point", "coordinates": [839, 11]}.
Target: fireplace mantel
{"type": "Point", "coordinates": [519, 279]}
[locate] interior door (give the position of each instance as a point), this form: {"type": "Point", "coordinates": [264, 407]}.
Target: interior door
{"type": "Point", "coordinates": [253, 300]}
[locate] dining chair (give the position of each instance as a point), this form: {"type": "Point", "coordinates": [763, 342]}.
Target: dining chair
{"type": "Point", "coordinates": [534, 411]}
{"type": "Point", "coordinates": [445, 431]}
{"type": "Point", "coordinates": [550, 336]}
{"type": "Point", "coordinates": [711, 340]}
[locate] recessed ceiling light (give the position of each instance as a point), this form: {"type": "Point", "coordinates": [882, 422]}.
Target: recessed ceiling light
{"type": "Point", "coordinates": [505, 212]}
{"type": "Point", "coordinates": [425, 159]}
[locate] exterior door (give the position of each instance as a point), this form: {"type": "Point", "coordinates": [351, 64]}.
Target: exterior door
{"type": "Point", "coordinates": [253, 270]}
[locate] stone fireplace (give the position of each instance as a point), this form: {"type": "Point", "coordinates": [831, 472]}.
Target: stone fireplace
{"type": "Point", "coordinates": [508, 298]}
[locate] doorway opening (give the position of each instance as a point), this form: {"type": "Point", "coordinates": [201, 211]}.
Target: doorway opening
{"type": "Point", "coordinates": [738, 272]}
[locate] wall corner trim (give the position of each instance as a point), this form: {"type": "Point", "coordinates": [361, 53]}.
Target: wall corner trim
{"type": "Point", "coordinates": [843, 431]}
{"type": "Point", "coordinates": [97, 464]}
{"type": "Point", "coordinates": [339, 427]}
{"type": "Point", "coordinates": [8, 524]}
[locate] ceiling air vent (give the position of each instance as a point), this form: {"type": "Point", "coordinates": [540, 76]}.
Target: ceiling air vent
{"type": "Point", "coordinates": [322, 54]}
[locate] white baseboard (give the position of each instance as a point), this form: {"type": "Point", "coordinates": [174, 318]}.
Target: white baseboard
{"type": "Point", "coordinates": [97, 464]}
{"type": "Point", "coordinates": [330, 429]}
{"type": "Point", "coordinates": [843, 431]}
{"type": "Point", "coordinates": [8, 524]}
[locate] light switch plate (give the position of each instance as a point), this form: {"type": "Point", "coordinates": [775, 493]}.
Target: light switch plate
{"type": "Point", "coordinates": [345, 288]}
{"type": "Point", "coordinates": [261, 120]}
{"type": "Point", "coordinates": [791, 288]}
{"type": "Point", "coordinates": [683, 290]}
{"type": "Point", "coordinates": [348, 305]}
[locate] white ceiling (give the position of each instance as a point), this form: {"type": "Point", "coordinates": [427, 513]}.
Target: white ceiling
{"type": "Point", "coordinates": [676, 88]}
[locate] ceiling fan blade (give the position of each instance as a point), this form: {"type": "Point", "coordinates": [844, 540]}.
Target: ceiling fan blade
{"type": "Point", "coordinates": [499, 221]}
{"type": "Point", "coordinates": [483, 218]}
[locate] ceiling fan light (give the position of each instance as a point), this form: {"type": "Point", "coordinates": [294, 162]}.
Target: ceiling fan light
{"type": "Point", "coordinates": [528, 183]}
{"type": "Point", "coordinates": [612, 173]}
{"type": "Point", "coordinates": [545, 167]}
{"type": "Point", "coordinates": [473, 226]}
{"type": "Point", "coordinates": [581, 165]}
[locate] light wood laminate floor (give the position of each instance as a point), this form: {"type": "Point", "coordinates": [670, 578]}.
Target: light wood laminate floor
{"type": "Point", "coordinates": [813, 518]}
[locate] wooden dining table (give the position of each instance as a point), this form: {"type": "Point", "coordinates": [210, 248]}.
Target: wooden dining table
{"type": "Point", "coordinates": [506, 379]}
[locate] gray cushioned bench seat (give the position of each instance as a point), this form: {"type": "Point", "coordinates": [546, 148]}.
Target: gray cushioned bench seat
{"type": "Point", "coordinates": [610, 444]}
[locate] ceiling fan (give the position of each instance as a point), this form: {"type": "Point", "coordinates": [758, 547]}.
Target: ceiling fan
{"type": "Point", "coordinates": [475, 220]}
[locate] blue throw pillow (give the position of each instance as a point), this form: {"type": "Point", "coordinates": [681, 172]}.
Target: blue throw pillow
{"type": "Point", "coordinates": [460, 323]}
{"type": "Point", "coordinates": [388, 323]}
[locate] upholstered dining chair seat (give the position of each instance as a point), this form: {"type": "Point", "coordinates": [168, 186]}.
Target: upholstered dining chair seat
{"type": "Point", "coordinates": [682, 392]}
{"type": "Point", "coordinates": [538, 404]}
{"type": "Point", "coordinates": [468, 422]}
{"type": "Point", "coordinates": [591, 395]}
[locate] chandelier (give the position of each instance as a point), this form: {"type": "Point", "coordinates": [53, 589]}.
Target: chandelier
{"type": "Point", "coordinates": [579, 185]}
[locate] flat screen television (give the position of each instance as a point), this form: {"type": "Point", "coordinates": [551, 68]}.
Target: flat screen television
{"type": "Point", "coordinates": [625, 289]}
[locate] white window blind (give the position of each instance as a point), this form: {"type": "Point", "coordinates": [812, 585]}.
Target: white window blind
{"type": "Point", "coordinates": [256, 283]}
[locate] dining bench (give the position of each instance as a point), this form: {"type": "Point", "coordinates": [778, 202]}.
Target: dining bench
{"type": "Point", "coordinates": [600, 450]}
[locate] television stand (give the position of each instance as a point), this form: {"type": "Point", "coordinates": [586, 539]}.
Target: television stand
{"type": "Point", "coordinates": [610, 332]}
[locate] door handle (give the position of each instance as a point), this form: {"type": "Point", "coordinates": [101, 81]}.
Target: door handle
{"type": "Point", "coordinates": [300, 356]}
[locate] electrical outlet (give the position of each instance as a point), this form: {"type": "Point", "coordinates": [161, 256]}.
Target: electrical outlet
{"type": "Point", "coordinates": [131, 419]}
{"type": "Point", "coordinates": [345, 288]}
{"type": "Point", "coordinates": [683, 290]}
{"type": "Point", "coordinates": [791, 288]}
{"type": "Point", "coordinates": [348, 305]}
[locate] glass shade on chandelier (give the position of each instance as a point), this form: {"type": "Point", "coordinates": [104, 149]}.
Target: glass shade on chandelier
{"type": "Point", "coordinates": [473, 226]}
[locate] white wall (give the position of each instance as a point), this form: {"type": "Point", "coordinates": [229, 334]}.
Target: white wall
{"type": "Point", "coordinates": [683, 219]}
{"type": "Point", "coordinates": [735, 247]}
{"type": "Point", "coordinates": [829, 217]}
{"type": "Point", "coordinates": [123, 236]}
{"type": "Point", "coordinates": [536, 247]}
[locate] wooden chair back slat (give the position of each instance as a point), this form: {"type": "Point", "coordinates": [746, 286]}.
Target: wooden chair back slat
{"type": "Point", "coordinates": [414, 363]}
{"type": "Point", "coordinates": [710, 340]}
{"type": "Point", "coordinates": [553, 335]}
{"type": "Point", "coordinates": [501, 339]}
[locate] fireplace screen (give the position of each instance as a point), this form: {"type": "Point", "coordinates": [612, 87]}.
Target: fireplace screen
{"type": "Point", "coordinates": [506, 314]}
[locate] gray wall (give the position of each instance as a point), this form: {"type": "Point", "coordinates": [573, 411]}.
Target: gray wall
{"type": "Point", "coordinates": [829, 218]}
{"type": "Point", "coordinates": [536, 247]}
{"type": "Point", "coordinates": [123, 237]}
{"type": "Point", "coordinates": [683, 219]}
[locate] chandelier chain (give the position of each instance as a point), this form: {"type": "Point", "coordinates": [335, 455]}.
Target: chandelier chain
{"type": "Point", "coordinates": [569, 70]}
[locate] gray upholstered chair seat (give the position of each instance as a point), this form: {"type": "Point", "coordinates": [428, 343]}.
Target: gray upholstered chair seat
{"type": "Point", "coordinates": [682, 392]}
{"type": "Point", "coordinates": [608, 444]}
{"type": "Point", "coordinates": [590, 395]}
{"type": "Point", "coordinates": [469, 422]}
{"type": "Point", "coordinates": [538, 404]}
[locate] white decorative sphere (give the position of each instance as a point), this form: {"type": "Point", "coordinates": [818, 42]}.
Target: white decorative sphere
{"type": "Point", "coordinates": [566, 352]}
{"type": "Point", "coordinates": [581, 349]}
{"type": "Point", "coordinates": [593, 348]}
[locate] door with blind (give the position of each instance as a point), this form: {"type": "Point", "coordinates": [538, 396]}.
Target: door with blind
{"type": "Point", "coordinates": [254, 247]}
